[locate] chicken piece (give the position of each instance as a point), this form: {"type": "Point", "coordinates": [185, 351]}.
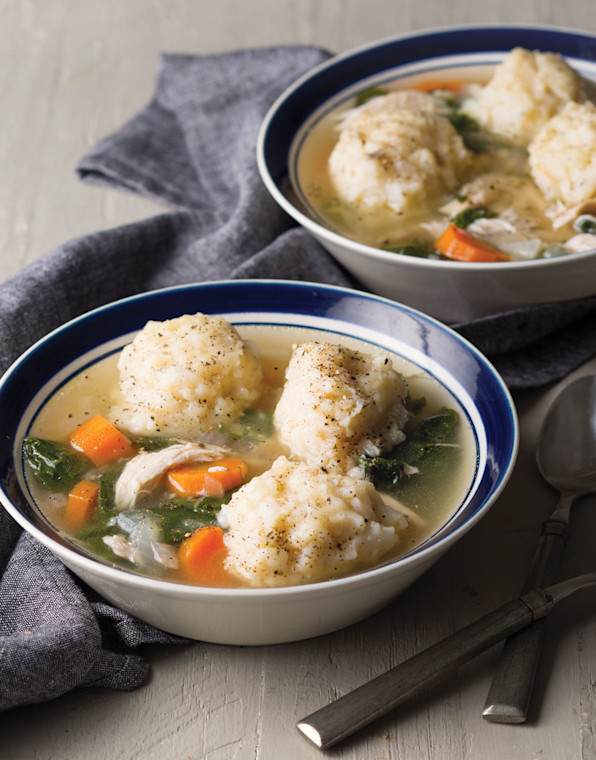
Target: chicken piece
{"type": "Point", "coordinates": [506, 237]}
{"type": "Point", "coordinates": [143, 472]}
{"type": "Point", "coordinates": [582, 242]}
{"type": "Point", "coordinates": [155, 552]}
{"type": "Point", "coordinates": [562, 215]}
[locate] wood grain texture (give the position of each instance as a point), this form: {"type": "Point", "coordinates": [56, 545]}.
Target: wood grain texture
{"type": "Point", "coordinates": [72, 71]}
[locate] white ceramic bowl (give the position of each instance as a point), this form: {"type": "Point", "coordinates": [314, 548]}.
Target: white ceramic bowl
{"type": "Point", "coordinates": [273, 615]}
{"type": "Point", "coordinates": [451, 291]}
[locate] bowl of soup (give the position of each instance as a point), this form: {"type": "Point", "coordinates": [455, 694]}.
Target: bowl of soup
{"type": "Point", "coordinates": [449, 169]}
{"type": "Point", "coordinates": [252, 462]}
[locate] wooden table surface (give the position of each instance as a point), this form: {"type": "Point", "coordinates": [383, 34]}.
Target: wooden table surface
{"type": "Point", "coordinates": [72, 71]}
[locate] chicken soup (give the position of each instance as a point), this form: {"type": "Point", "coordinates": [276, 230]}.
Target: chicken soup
{"type": "Point", "coordinates": [493, 169]}
{"type": "Point", "coordinates": [248, 456]}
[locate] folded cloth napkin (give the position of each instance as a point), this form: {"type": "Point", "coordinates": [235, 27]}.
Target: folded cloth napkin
{"type": "Point", "coordinates": [192, 148]}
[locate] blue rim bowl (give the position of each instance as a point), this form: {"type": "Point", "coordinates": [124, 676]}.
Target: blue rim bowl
{"type": "Point", "coordinates": [449, 290]}
{"type": "Point", "coordinates": [438, 350]}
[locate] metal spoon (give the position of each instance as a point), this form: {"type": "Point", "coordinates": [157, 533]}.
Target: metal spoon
{"type": "Point", "coordinates": [358, 708]}
{"type": "Point", "coordinates": [566, 458]}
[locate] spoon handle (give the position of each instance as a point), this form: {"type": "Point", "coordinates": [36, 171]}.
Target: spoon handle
{"type": "Point", "coordinates": [509, 695]}
{"type": "Point", "coordinates": [358, 708]}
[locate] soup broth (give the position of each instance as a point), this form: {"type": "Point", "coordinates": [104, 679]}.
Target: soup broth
{"type": "Point", "coordinates": [505, 213]}
{"type": "Point", "coordinates": [427, 499]}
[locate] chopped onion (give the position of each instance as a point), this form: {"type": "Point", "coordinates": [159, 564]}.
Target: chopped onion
{"type": "Point", "coordinates": [521, 249]}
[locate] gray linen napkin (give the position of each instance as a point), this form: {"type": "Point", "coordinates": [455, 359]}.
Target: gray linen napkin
{"type": "Point", "coordinates": [193, 148]}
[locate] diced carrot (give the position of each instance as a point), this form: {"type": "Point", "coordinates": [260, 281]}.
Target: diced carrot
{"type": "Point", "coordinates": [100, 441]}
{"type": "Point", "coordinates": [201, 557]}
{"type": "Point", "coordinates": [428, 85]}
{"type": "Point", "coordinates": [457, 244]}
{"type": "Point", "coordinates": [81, 504]}
{"type": "Point", "coordinates": [207, 478]}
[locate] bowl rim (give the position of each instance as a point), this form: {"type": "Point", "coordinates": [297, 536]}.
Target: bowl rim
{"type": "Point", "coordinates": [335, 238]}
{"type": "Point", "coordinates": [119, 575]}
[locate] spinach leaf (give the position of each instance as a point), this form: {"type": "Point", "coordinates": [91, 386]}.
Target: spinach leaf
{"type": "Point", "coordinates": [475, 139]}
{"type": "Point", "coordinates": [416, 247]}
{"type": "Point", "coordinates": [432, 432]}
{"type": "Point", "coordinates": [96, 547]}
{"type": "Point", "coordinates": [415, 405]}
{"type": "Point", "coordinates": [107, 486]}
{"type": "Point", "coordinates": [461, 122]}
{"type": "Point", "coordinates": [467, 216]}
{"type": "Point", "coordinates": [177, 518]}
{"type": "Point", "coordinates": [153, 443]}
{"type": "Point", "coordinates": [53, 464]}
{"type": "Point", "coordinates": [93, 534]}
{"type": "Point", "coordinates": [180, 524]}
{"type": "Point", "coordinates": [469, 131]}
{"type": "Point", "coordinates": [253, 426]}
{"type": "Point", "coordinates": [366, 95]}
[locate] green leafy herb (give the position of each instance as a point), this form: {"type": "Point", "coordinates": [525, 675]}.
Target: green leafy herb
{"type": "Point", "coordinates": [432, 432]}
{"type": "Point", "coordinates": [585, 223]}
{"type": "Point", "coordinates": [366, 95]}
{"type": "Point", "coordinates": [476, 139]}
{"type": "Point", "coordinates": [56, 468]}
{"type": "Point", "coordinates": [253, 426]}
{"type": "Point", "coordinates": [94, 532]}
{"type": "Point", "coordinates": [107, 487]}
{"type": "Point", "coordinates": [153, 443]}
{"type": "Point", "coordinates": [469, 130]}
{"type": "Point", "coordinates": [415, 405]}
{"type": "Point", "coordinates": [416, 247]}
{"type": "Point", "coordinates": [463, 123]}
{"type": "Point", "coordinates": [467, 216]}
{"type": "Point", "coordinates": [179, 517]}
{"type": "Point", "coordinates": [98, 549]}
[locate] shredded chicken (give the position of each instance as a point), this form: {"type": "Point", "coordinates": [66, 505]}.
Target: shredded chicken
{"type": "Point", "coordinates": [162, 554]}
{"type": "Point", "coordinates": [143, 472]}
{"type": "Point", "coordinates": [506, 237]}
{"type": "Point", "coordinates": [580, 242]}
{"type": "Point", "coordinates": [562, 215]}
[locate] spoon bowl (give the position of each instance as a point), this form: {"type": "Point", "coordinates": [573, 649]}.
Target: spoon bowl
{"type": "Point", "coordinates": [566, 451]}
{"type": "Point", "coordinates": [566, 458]}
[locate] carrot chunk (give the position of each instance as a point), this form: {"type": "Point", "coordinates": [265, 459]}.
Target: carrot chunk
{"type": "Point", "coordinates": [201, 557]}
{"type": "Point", "coordinates": [458, 245]}
{"type": "Point", "coordinates": [100, 441]}
{"type": "Point", "coordinates": [207, 478]}
{"type": "Point", "coordinates": [81, 504]}
{"type": "Point", "coordinates": [428, 85]}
